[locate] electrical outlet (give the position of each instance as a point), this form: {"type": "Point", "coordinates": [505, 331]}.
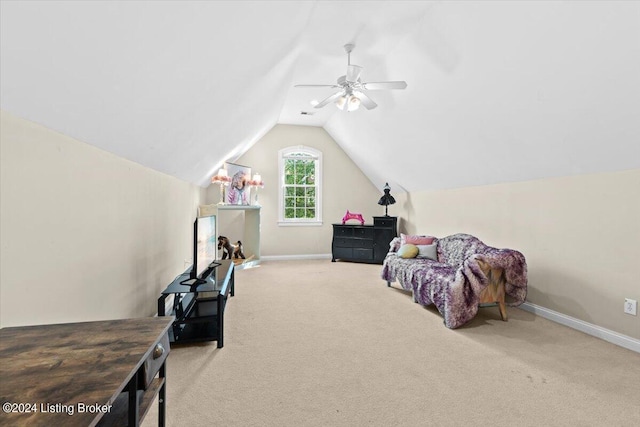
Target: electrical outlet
{"type": "Point", "coordinates": [631, 306]}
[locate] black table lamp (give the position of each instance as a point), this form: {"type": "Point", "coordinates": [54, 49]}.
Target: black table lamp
{"type": "Point", "coordinates": [387, 199]}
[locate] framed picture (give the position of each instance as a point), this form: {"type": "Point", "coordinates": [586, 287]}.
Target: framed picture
{"type": "Point", "coordinates": [239, 190]}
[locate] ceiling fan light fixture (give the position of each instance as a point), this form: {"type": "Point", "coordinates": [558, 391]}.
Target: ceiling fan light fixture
{"type": "Point", "coordinates": [352, 91]}
{"type": "Point", "coordinates": [354, 103]}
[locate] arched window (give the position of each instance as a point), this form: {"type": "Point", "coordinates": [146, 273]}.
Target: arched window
{"type": "Point", "coordinates": [300, 190]}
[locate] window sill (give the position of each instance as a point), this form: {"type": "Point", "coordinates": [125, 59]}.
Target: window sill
{"type": "Point", "coordinates": [299, 223]}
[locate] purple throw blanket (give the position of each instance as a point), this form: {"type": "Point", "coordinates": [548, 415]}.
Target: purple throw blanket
{"type": "Point", "coordinates": [455, 281]}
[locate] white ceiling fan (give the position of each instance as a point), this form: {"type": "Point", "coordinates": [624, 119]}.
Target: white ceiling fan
{"type": "Point", "coordinates": [351, 93]}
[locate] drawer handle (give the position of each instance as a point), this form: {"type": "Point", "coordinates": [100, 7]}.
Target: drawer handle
{"type": "Point", "coordinates": [158, 351]}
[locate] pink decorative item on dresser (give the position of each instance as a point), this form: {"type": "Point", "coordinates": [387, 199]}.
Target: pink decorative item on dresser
{"type": "Point", "coordinates": [350, 215]}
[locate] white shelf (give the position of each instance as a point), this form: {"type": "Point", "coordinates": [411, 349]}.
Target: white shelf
{"type": "Point", "coordinates": [237, 207]}
{"type": "Point", "coordinates": [251, 228]}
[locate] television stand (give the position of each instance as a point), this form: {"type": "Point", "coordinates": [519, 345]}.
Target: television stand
{"type": "Point", "coordinates": [191, 282]}
{"type": "Point", "coordinates": [199, 307]}
{"type": "Point", "coordinates": [196, 280]}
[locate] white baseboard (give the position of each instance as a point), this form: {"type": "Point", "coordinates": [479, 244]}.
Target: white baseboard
{"type": "Point", "coordinates": [582, 326]}
{"type": "Point", "coordinates": [294, 257]}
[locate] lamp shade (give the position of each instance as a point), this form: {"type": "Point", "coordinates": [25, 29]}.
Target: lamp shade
{"type": "Point", "coordinates": [341, 102]}
{"type": "Point", "coordinates": [256, 181]}
{"type": "Point", "coordinates": [221, 178]}
{"type": "Point", "coordinates": [354, 103]}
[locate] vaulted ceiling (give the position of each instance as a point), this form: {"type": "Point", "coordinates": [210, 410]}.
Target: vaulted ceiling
{"type": "Point", "coordinates": [497, 91]}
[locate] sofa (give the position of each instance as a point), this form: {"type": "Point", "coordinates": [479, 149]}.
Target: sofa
{"type": "Point", "coordinates": [461, 274]}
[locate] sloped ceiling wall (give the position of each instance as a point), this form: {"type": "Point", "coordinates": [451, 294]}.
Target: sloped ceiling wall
{"type": "Point", "coordinates": [497, 91]}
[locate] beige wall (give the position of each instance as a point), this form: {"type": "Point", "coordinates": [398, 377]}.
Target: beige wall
{"type": "Point", "coordinates": [580, 235]}
{"type": "Point", "coordinates": [344, 187]}
{"type": "Point", "coordinates": [85, 235]}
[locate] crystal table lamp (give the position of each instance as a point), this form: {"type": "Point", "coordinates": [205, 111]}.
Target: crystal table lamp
{"type": "Point", "coordinates": [223, 179]}
{"type": "Point", "coordinates": [256, 183]}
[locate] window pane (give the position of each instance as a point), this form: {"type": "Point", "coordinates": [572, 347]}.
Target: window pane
{"type": "Point", "coordinates": [289, 170]}
{"type": "Point", "coordinates": [300, 172]}
{"type": "Point", "coordinates": [311, 171]}
{"type": "Point", "coordinates": [310, 168]}
{"type": "Point", "coordinates": [300, 196]}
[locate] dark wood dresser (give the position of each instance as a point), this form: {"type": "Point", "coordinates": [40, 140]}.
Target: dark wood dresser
{"type": "Point", "coordinates": [83, 374]}
{"type": "Point", "coordinates": [364, 243]}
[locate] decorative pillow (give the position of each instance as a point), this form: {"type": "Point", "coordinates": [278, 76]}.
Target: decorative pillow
{"type": "Point", "coordinates": [415, 240]}
{"type": "Point", "coordinates": [428, 251]}
{"type": "Point", "coordinates": [408, 251]}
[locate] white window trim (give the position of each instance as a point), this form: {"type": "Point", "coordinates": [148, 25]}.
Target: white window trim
{"type": "Point", "coordinates": [282, 221]}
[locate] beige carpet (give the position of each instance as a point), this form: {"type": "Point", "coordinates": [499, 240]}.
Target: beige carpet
{"type": "Point", "coordinates": [316, 343]}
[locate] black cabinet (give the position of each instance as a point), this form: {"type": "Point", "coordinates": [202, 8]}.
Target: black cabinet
{"type": "Point", "coordinates": [364, 243]}
{"type": "Point", "coordinates": [384, 229]}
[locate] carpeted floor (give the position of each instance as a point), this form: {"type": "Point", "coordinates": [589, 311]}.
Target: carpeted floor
{"type": "Point", "coordinates": [316, 343]}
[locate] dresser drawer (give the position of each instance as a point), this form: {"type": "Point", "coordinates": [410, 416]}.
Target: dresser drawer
{"type": "Point", "coordinates": [344, 242]}
{"type": "Point", "coordinates": [343, 231]}
{"type": "Point", "coordinates": [343, 253]}
{"type": "Point", "coordinates": [362, 254]}
{"type": "Point", "coordinates": [155, 360]}
{"type": "Point", "coordinates": [383, 222]}
{"type": "Point", "coordinates": [363, 243]}
{"type": "Point", "coordinates": [365, 233]}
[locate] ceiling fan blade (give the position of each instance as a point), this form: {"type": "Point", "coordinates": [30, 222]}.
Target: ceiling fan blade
{"type": "Point", "coordinates": [316, 86]}
{"type": "Point", "coordinates": [366, 101]}
{"type": "Point", "coordinates": [384, 85]}
{"type": "Point", "coordinates": [329, 99]}
{"type": "Point", "coordinates": [353, 73]}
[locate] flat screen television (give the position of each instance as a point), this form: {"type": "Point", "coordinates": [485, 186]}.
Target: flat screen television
{"type": "Point", "coordinates": [205, 249]}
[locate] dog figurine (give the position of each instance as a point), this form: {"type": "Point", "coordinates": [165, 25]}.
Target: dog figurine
{"type": "Point", "coordinates": [229, 250]}
{"type": "Point", "coordinates": [237, 251]}
{"type": "Point", "coordinates": [350, 215]}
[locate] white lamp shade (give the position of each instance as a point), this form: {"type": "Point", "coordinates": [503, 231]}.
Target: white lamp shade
{"type": "Point", "coordinates": [341, 102]}
{"type": "Point", "coordinates": [354, 103]}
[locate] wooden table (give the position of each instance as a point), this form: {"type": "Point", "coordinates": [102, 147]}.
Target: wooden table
{"type": "Point", "coordinates": [80, 374]}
